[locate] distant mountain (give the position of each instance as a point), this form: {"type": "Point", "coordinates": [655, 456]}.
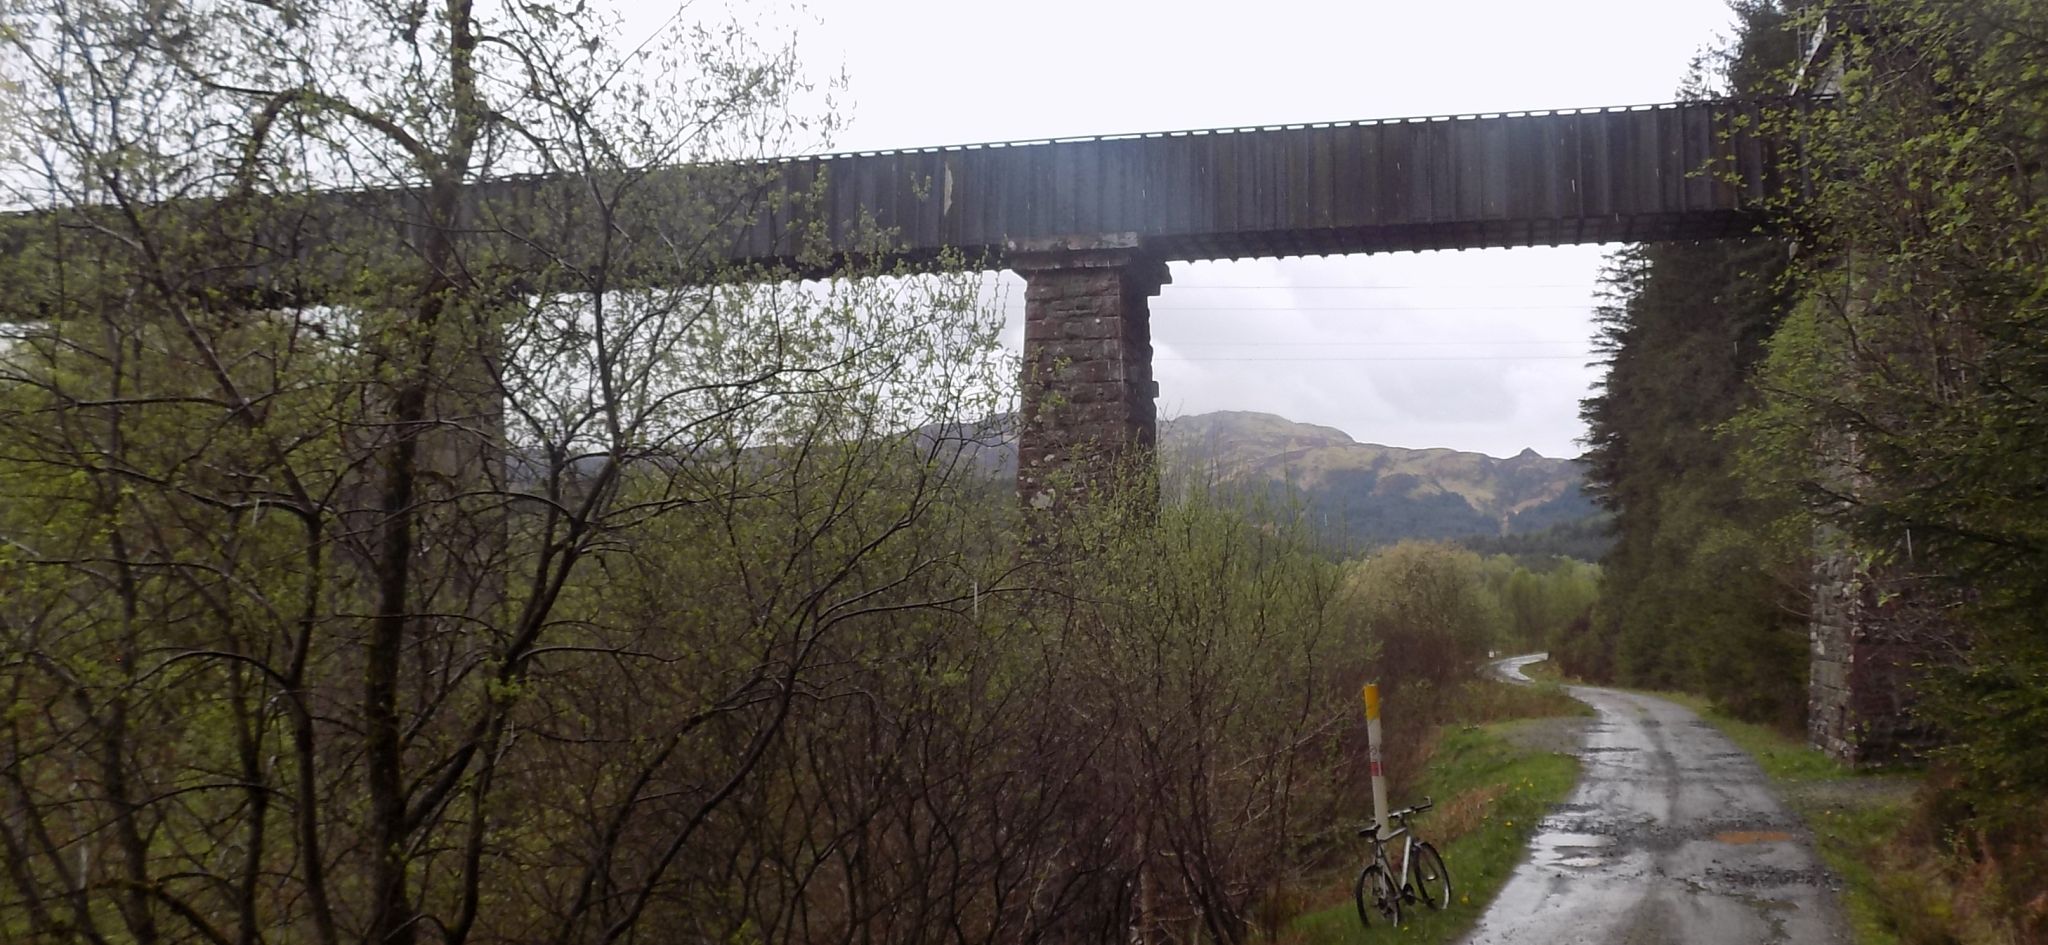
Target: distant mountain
{"type": "Point", "coordinates": [1357, 494]}
{"type": "Point", "coordinates": [1363, 494]}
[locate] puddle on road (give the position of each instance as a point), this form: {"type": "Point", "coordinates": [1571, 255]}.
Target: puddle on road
{"type": "Point", "coordinates": [1573, 850]}
{"type": "Point", "coordinates": [1566, 838]}
{"type": "Point", "coordinates": [1752, 836]}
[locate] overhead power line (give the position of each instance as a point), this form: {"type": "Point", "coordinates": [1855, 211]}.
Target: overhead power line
{"type": "Point", "coordinates": [1158, 311]}
{"type": "Point", "coordinates": [1589, 358]}
{"type": "Point", "coordinates": [1462, 342]}
{"type": "Point", "coordinates": [1178, 287]}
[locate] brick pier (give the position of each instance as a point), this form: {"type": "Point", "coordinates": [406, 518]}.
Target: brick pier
{"type": "Point", "coordinates": [1088, 391]}
{"type": "Point", "coordinates": [1874, 634]}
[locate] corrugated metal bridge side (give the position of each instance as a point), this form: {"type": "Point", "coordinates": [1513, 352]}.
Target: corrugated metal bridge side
{"type": "Point", "coordinates": [1661, 172]}
{"type": "Point", "coordinates": [1658, 172]}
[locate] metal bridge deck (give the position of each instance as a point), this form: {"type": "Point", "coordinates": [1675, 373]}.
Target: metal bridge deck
{"type": "Point", "coordinates": [1659, 172]}
{"type": "Point", "coordinates": [1678, 171]}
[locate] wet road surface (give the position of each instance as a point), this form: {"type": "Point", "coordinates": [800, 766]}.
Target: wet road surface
{"type": "Point", "coordinates": [1672, 836]}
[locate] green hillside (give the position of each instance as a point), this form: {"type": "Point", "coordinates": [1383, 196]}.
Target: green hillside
{"type": "Point", "coordinates": [1356, 495]}
{"type": "Point", "coordinates": [1363, 494]}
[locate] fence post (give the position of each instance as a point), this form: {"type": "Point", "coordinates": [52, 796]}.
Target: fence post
{"type": "Point", "coordinates": [1372, 749]}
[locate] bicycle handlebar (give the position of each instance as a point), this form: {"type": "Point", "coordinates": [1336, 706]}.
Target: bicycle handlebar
{"type": "Point", "coordinates": [1371, 827]}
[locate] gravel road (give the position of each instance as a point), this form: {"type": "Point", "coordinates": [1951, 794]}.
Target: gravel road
{"type": "Point", "coordinates": [1672, 836]}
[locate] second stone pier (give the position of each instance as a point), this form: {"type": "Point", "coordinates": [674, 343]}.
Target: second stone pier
{"type": "Point", "coordinates": [1088, 392]}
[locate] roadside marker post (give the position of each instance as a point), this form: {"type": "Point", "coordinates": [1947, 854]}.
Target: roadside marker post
{"type": "Point", "coordinates": [1372, 754]}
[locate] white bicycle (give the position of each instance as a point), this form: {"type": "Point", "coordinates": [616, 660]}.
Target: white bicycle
{"type": "Point", "coordinates": [1422, 876]}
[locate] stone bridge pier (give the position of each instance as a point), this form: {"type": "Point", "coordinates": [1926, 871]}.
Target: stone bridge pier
{"type": "Point", "coordinates": [1089, 415]}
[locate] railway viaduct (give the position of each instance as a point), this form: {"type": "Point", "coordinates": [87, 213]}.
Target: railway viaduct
{"type": "Point", "coordinates": [1090, 224]}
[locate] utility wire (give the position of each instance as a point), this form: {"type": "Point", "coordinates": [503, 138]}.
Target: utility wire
{"type": "Point", "coordinates": [1176, 287]}
{"type": "Point", "coordinates": [1175, 309]}
{"type": "Point", "coordinates": [1360, 344]}
{"type": "Point", "coordinates": [1504, 357]}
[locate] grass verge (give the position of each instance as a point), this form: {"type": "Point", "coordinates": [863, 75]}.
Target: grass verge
{"type": "Point", "coordinates": [1492, 783]}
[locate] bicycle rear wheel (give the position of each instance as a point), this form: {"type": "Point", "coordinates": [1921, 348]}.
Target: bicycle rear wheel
{"type": "Point", "coordinates": [1432, 878]}
{"type": "Point", "coordinates": [1375, 892]}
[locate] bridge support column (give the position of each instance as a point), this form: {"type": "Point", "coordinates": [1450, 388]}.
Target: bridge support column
{"type": "Point", "coordinates": [1088, 391]}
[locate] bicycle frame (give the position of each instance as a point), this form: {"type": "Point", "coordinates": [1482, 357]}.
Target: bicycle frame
{"type": "Point", "coordinates": [1379, 852]}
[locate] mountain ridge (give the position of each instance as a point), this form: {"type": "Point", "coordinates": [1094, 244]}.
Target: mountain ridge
{"type": "Point", "coordinates": [1335, 474]}
{"type": "Point", "coordinates": [1359, 495]}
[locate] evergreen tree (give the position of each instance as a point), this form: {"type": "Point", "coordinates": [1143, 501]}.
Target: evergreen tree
{"type": "Point", "coordinates": [1696, 595]}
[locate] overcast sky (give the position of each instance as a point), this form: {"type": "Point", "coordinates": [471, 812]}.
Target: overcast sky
{"type": "Point", "coordinates": [1479, 350]}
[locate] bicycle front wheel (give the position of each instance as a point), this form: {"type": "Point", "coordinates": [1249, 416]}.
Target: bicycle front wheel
{"type": "Point", "coordinates": [1375, 893]}
{"type": "Point", "coordinates": [1432, 878]}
